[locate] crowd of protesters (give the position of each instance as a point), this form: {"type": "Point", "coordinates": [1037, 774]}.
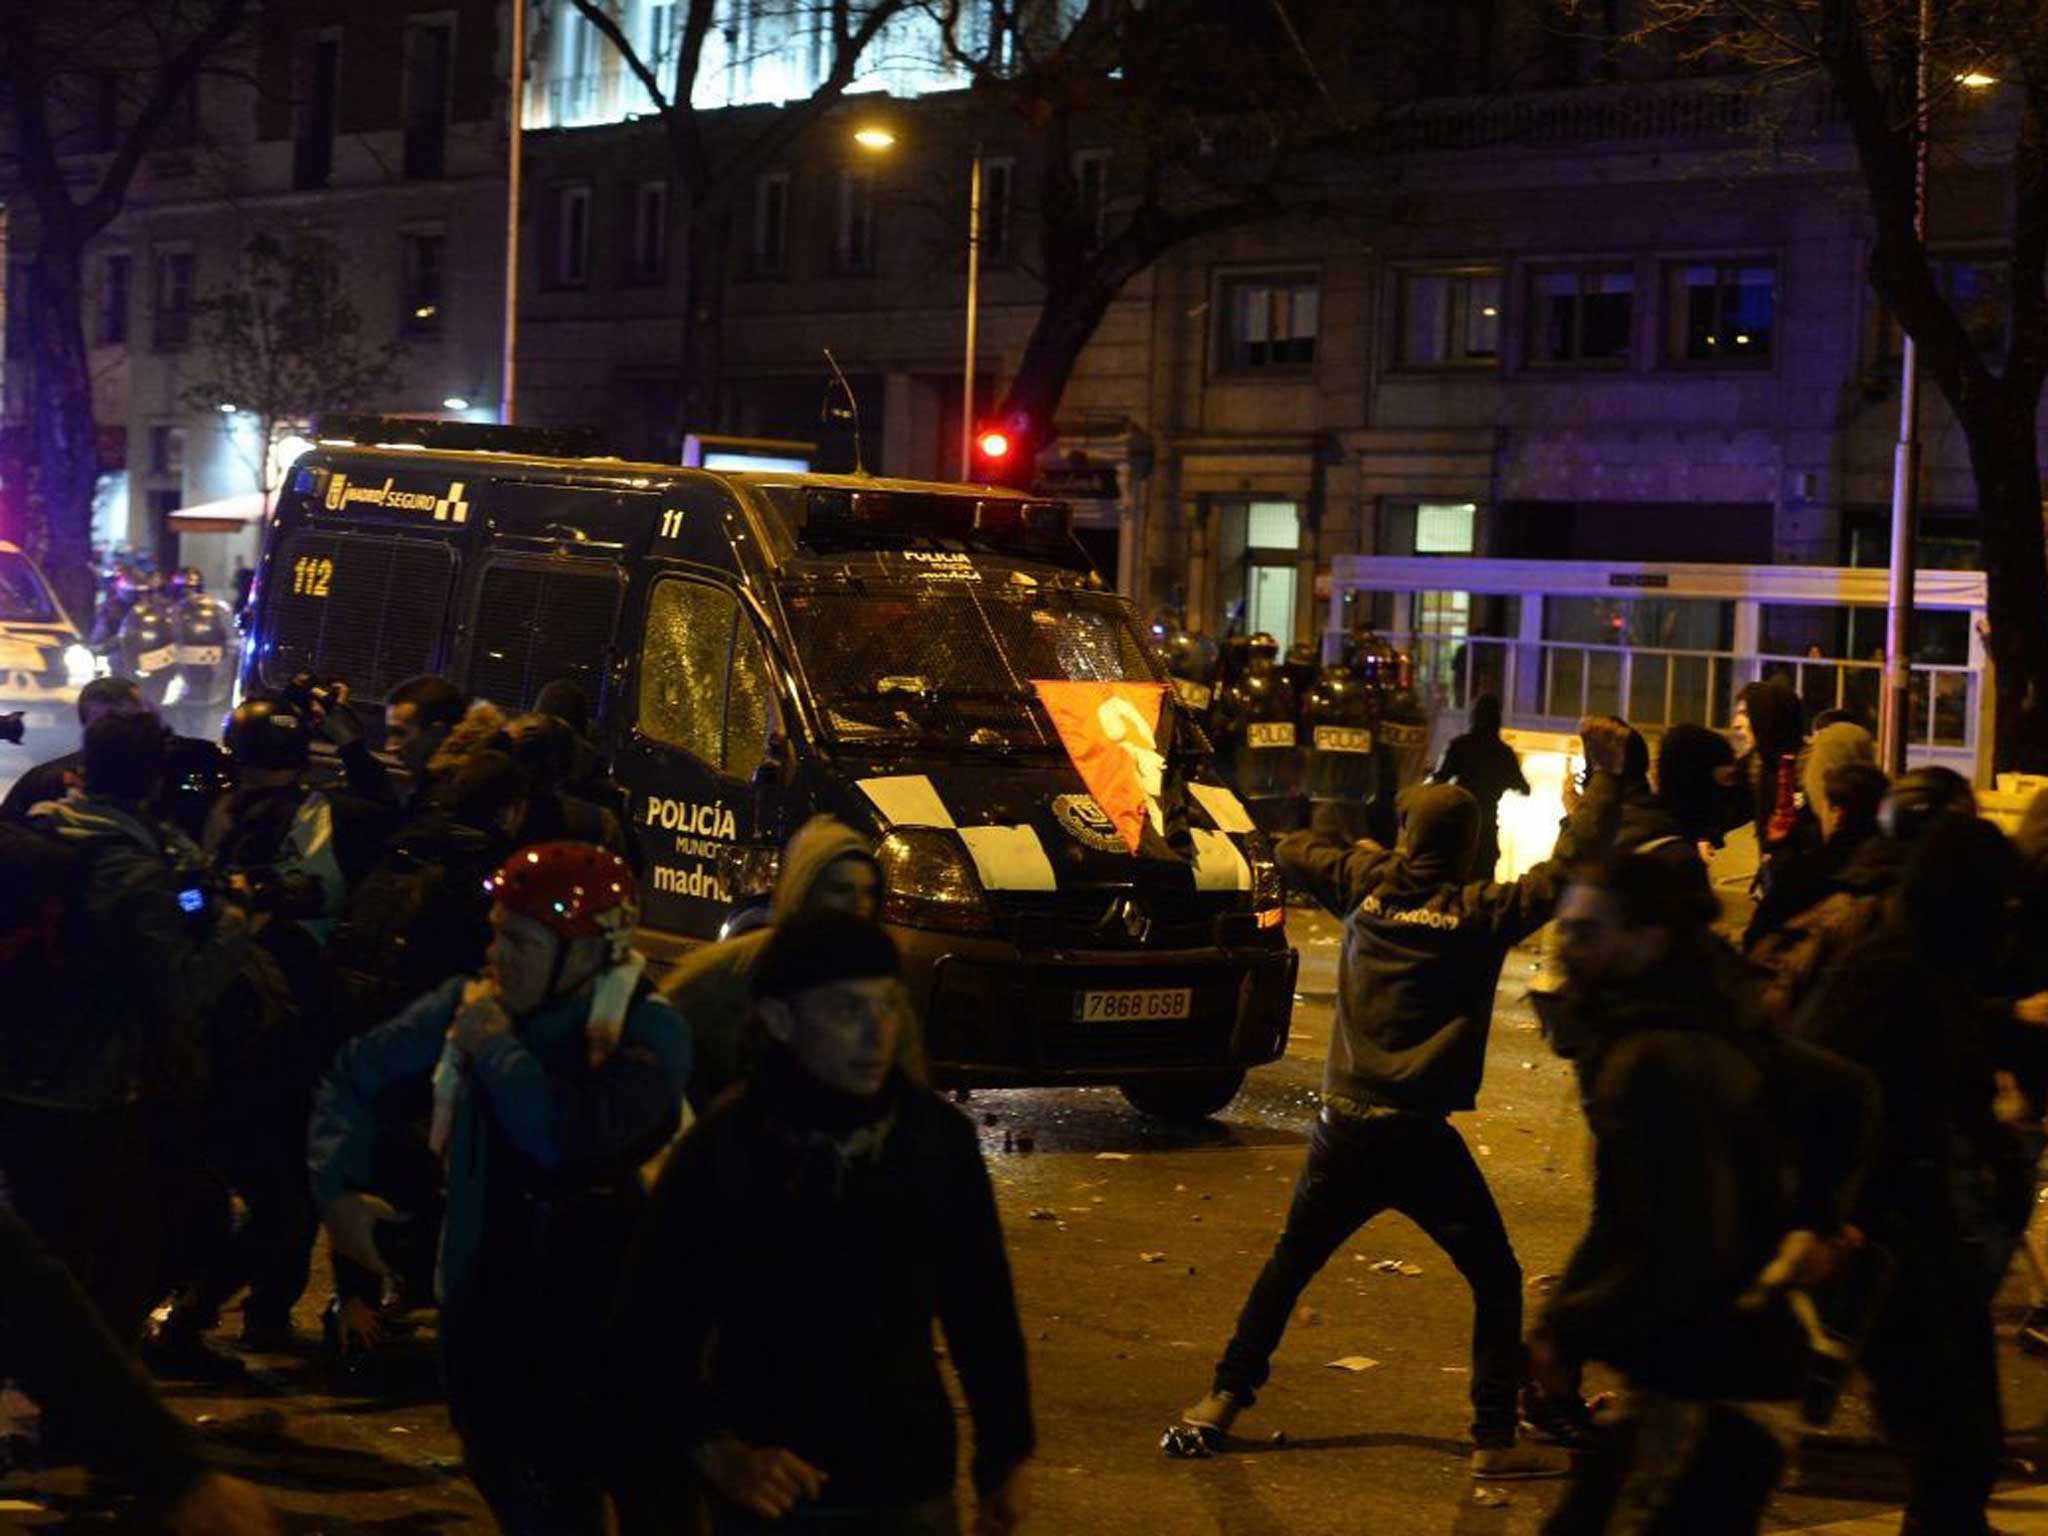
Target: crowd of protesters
{"type": "Point", "coordinates": [403, 1004]}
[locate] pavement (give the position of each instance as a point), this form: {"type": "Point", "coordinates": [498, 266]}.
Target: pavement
{"type": "Point", "coordinates": [1133, 1244]}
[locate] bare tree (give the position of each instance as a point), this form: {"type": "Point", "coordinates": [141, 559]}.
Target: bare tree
{"type": "Point", "coordinates": [1220, 114]}
{"type": "Point", "coordinates": [282, 342]}
{"type": "Point", "coordinates": [118, 70]}
{"type": "Point", "coordinates": [1866, 53]}
{"type": "Point", "coordinates": [713, 171]}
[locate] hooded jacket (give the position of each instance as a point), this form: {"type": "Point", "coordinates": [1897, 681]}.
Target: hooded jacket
{"type": "Point", "coordinates": [1424, 945]}
{"type": "Point", "coordinates": [141, 1011]}
{"type": "Point", "coordinates": [713, 988]}
{"type": "Point", "coordinates": [1714, 1137]}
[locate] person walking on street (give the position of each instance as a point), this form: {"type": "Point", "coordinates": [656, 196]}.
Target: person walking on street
{"type": "Point", "coordinates": [557, 1074]}
{"type": "Point", "coordinates": [809, 1230]}
{"type": "Point", "coordinates": [1725, 1161]}
{"type": "Point", "coordinates": [1486, 768]}
{"type": "Point", "coordinates": [1423, 950]}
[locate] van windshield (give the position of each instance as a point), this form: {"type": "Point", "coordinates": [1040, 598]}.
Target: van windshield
{"type": "Point", "coordinates": [24, 599]}
{"type": "Point", "coordinates": [954, 661]}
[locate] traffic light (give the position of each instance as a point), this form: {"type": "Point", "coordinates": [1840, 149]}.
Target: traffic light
{"type": "Point", "coordinates": [992, 447]}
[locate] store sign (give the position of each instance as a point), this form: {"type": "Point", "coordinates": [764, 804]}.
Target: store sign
{"type": "Point", "coordinates": [1077, 482]}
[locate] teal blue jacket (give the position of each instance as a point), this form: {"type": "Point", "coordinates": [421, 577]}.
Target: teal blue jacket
{"type": "Point", "coordinates": [536, 1117]}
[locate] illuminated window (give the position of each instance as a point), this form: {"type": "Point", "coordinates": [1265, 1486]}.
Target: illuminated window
{"type": "Point", "coordinates": [1581, 315]}
{"type": "Point", "coordinates": [1270, 322]}
{"type": "Point", "coordinates": [1450, 318]}
{"type": "Point", "coordinates": [1721, 312]}
{"type": "Point", "coordinates": [1444, 527]}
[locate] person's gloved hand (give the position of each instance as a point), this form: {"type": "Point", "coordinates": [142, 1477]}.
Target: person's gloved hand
{"type": "Point", "coordinates": [352, 1220]}
{"type": "Point", "coordinates": [340, 724]}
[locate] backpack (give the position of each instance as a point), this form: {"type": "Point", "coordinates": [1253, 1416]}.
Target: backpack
{"type": "Point", "coordinates": [410, 924]}
{"type": "Point", "coordinates": [40, 889]}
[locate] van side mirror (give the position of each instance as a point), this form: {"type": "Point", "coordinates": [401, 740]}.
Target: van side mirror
{"type": "Point", "coordinates": [773, 782]}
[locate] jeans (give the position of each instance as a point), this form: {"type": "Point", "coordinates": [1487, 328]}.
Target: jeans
{"type": "Point", "coordinates": [1419, 1166]}
{"type": "Point", "coordinates": [1673, 1467]}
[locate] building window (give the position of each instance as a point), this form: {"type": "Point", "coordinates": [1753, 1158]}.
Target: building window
{"type": "Point", "coordinates": [429, 51]}
{"type": "Point", "coordinates": [1975, 286]}
{"type": "Point", "coordinates": [171, 315]}
{"type": "Point", "coordinates": [113, 316]}
{"type": "Point", "coordinates": [572, 236]}
{"type": "Point", "coordinates": [1721, 312]}
{"type": "Point", "coordinates": [318, 91]}
{"type": "Point", "coordinates": [1091, 190]}
{"type": "Point", "coordinates": [1269, 322]}
{"type": "Point", "coordinates": [853, 244]}
{"type": "Point", "coordinates": [1445, 527]}
{"type": "Point", "coordinates": [659, 51]}
{"type": "Point", "coordinates": [998, 191]}
{"type": "Point", "coordinates": [770, 254]}
{"type": "Point", "coordinates": [1581, 315]}
{"type": "Point", "coordinates": [423, 297]}
{"type": "Point", "coordinates": [1450, 319]}
{"type": "Point", "coordinates": [647, 248]}
{"type": "Point", "coordinates": [1272, 538]}
{"type": "Point", "coordinates": [166, 450]}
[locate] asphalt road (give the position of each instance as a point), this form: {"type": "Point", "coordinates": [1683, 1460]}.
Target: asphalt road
{"type": "Point", "coordinates": [1133, 1244]}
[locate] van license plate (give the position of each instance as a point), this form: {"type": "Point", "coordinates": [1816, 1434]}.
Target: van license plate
{"type": "Point", "coordinates": [1148, 1003]}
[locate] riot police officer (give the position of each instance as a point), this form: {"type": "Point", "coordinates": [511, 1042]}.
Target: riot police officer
{"type": "Point", "coordinates": [1338, 719]}
{"type": "Point", "coordinates": [1256, 726]}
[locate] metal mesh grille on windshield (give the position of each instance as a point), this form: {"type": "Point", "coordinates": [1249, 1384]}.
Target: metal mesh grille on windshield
{"type": "Point", "coordinates": [928, 659]}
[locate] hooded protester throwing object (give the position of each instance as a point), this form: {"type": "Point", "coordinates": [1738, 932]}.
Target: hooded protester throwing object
{"type": "Point", "coordinates": [1423, 949]}
{"type": "Point", "coordinates": [808, 1401]}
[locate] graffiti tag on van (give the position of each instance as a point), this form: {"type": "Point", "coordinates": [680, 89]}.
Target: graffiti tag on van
{"type": "Point", "coordinates": [450, 508]}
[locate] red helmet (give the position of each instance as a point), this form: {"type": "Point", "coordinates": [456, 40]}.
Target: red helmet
{"type": "Point", "coordinates": [579, 891]}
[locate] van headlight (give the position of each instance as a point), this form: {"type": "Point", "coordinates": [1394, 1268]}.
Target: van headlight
{"type": "Point", "coordinates": [80, 665]}
{"type": "Point", "coordinates": [927, 882]}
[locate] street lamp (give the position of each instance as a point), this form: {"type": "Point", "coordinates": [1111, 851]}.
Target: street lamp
{"type": "Point", "coordinates": [879, 140]}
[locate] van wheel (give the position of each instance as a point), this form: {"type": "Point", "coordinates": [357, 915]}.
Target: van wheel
{"type": "Point", "coordinates": [1196, 1096]}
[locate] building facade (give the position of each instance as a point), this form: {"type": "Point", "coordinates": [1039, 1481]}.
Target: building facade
{"type": "Point", "coordinates": [380, 131]}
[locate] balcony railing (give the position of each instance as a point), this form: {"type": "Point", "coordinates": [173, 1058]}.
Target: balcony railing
{"type": "Point", "coordinates": [1664, 110]}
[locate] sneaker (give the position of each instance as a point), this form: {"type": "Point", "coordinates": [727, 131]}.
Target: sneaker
{"type": "Point", "coordinates": [1563, 1421]}
{"type": "Point", "coordinates": [1212, 1417]}
{"type": "Point", "coordinates": [1520, 1461]}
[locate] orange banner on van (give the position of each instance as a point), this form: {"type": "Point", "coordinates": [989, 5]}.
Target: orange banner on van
{"type": "Point", "coordinates": [1111, 733]}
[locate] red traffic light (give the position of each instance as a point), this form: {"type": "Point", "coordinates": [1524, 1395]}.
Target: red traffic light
{"type": "Point", "coordinates": [993, 445]}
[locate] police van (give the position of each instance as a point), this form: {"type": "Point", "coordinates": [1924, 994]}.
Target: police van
{"type": "Point", "coordinates": [762, 647]}
{"type": "Point", "coordinates": [43, 663]}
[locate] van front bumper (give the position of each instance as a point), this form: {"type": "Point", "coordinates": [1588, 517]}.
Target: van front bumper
{"type": "Point", "coordinates": [995, 1015]}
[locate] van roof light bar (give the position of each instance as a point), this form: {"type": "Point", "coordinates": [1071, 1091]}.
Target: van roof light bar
{"type": "Point", "coordinates": [461, 436]}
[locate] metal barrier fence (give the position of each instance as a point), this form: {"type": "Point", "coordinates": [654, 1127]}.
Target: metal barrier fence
{"type": "Point", "coordinates": [1550, 684]}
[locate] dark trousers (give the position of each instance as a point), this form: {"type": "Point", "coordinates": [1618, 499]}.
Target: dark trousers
{"type": "Point", "coordinates": [1672, 1468]}
{"type": "Point", "coordinates": [271, 1252]}
{"type": "Point", "coordinates": [520, 1403]}
{"type": "Point", "coordinates": [1417, 1165]}
{"type": "Point", "coordinates": [1934, 1365]}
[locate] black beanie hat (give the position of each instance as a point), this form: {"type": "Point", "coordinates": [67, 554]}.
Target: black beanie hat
{"type": "Point", "coordinates": [816, 949]}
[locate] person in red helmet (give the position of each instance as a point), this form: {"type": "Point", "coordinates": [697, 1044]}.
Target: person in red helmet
{"type": "Point", "coordinates": [557, 1073]}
